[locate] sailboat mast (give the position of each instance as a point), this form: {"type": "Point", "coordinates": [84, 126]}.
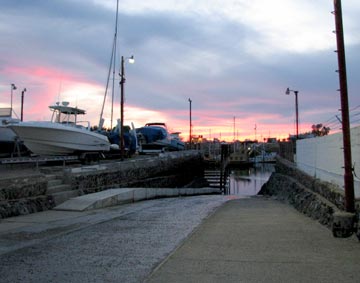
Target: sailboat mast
{"type": "Point", "coordinates": [114, 60]}
{"type": "Point", "coordinates": [106, 89]}
{"type": "Point", "coordinates": [111, 67]}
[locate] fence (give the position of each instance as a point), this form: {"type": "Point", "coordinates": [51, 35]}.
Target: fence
{"type": "Point", "coordinates": [322, 158]}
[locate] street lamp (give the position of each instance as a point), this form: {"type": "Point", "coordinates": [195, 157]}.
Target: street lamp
{"type": "Point", "coordinates": [190, 134]}
{"type": "Point", "coordinates": [13, 87]}
{"type": "Point", "coordinates": [131, 60]}
{"type": "Point", "coordinates": [287, 92]}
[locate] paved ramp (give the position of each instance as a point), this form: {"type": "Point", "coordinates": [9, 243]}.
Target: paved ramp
{"type": "Point", "coordinates": [261, 240]}
{"type": "Point", "coordinates": [118, 196]}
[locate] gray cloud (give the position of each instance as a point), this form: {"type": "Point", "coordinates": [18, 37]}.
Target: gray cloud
{"type": "Point", "coordinates": [177, 56]}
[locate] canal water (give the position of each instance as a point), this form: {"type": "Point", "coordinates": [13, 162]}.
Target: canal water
{"type": "Point", "coordinates": [248, 182]}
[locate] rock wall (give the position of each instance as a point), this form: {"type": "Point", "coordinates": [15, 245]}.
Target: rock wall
{"type": "Point", "coordinates": [166, 170]}
{"type": "Point", "coordinates": [23, 195]}
{"type": "Point", "coordinates": [19, 196]}
{"type": "Point", "coordinates": [315, 198]}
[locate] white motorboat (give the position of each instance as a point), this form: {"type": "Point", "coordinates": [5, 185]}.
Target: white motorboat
{"type": "Point", "coordinates": [63, 135]}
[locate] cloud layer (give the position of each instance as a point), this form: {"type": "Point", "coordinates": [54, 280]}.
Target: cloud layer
{"type": "Point", "coordinates": [232, 58]}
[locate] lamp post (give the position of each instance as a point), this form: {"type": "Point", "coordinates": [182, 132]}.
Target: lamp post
{"type": "Point", "coordinates": [287, 92]}
{"type": "Point", "coordinates": [13, 87]}
{"type": "Point", "coordinates": [190, 126]}
{"type": "Point", "coordinates": [22, 105]}
{"type": "Point", "coordinates": [122, 82]}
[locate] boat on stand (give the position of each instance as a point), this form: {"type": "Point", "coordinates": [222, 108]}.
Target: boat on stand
{"type": "Point", "coordinates": [155, 137]}
{"type": "Point", "coordinates": [63, 135]}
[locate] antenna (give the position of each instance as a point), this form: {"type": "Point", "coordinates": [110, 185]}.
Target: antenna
{"type": "Point", "coordinates": [59, 92]}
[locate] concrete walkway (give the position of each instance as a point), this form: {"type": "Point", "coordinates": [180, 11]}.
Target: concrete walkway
{"type": "Point", "coordinates": [261, 240]}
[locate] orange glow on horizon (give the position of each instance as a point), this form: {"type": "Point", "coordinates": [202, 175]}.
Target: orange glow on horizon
{"type": "Point", "coordinates": [48, 85]}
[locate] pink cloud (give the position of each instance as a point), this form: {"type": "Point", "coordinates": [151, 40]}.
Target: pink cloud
{"type": "Point", "coordinates": [46, 85]}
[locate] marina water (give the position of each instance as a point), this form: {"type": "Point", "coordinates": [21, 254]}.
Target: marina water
{"type": "Point", "coordinates": [248, 181]}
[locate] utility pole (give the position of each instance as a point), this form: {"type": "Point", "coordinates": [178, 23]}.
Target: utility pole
{"type": "Point", "coordinates": [348, 175]}
{"type": "Point", "coordinates": [297, 113]}
{"type": "Point", "coordinates": [122, 96]}
{"type": "Point", "coordinates": [190, 134]}
{"type": "Point", "coordinates": [234, 135]}
{"type": "Point", "coordinates": [121, 129]}
{"type": "Point", "coordinates": [287, 92]}
{"type": "Point", "coordinates": [255, 132]}
{"type": "Point", "coordinates": [234, 129]}
{"type": "Point", "coordinates": [22, 105]}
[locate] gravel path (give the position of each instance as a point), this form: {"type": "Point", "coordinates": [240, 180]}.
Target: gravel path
{"type": "Point", "coordinates": [124, 246]}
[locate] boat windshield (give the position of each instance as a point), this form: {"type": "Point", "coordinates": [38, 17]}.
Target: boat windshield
{"type": "Point", "coordinates": [65, 114]}
{"type": "Point", "coordinates": [160, 125]}
{"type": "Point", "coordinates": [64, 118]}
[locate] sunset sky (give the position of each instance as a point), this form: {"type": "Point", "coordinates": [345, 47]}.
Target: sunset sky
{"type": "Point", "coordinates": [232, 58]}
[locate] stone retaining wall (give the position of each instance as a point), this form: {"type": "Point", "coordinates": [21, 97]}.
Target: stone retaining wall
{"type": "Point", "coordinates": [174, 169]}
{"type": "Point", "coordinates": [19, 196]}
{"type": "Point", "coordinates": [22, 187]}
{"type": "Point", "coordinates": [23, 195]}
{"type": "Point", "coordinates": [317, 199]}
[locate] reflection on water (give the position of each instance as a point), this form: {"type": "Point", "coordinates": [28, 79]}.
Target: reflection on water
{"type": "Point", "coordinates": [248, 182]}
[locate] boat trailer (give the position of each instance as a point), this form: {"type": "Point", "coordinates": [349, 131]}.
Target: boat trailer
{"type": "Point", "coordinates": [84, 158]}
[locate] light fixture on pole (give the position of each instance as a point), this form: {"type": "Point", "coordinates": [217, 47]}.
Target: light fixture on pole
{"type": "Point", "coordinates": [13, 87]}
{"type": "Point", "coordinates": [190, 126]}
{"type": "Point", "coordinates": [287, 92]}
{"type": "Point", "coordinates": [131, 60]}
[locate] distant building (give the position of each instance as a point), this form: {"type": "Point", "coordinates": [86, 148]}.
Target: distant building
{"type": "Point", "coordinates": [271, 140]}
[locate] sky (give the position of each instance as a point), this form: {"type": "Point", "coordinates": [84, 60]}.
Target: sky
{"type": "Point", "coordinates": [233, 58]}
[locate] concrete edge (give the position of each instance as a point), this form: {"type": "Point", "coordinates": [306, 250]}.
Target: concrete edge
{"type": "Point", "coordinates": [118, 196]}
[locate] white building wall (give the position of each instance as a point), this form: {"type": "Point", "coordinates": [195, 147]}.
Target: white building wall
{"type": "Point", "coordinates": [322, 158]}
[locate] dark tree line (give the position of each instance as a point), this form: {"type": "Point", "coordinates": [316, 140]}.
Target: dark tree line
{"type": "Point", "coordinates": [319, 130]}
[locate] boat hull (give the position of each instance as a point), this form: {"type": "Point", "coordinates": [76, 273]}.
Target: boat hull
{"type": "Point", "coordinates": [7, 135]}
{"type": "Point", "coordinates": [155, 136]}
{"type": "Point", "coordinates": [46, 138]}
{"type": "Point", "coordinates": [7, 140]}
